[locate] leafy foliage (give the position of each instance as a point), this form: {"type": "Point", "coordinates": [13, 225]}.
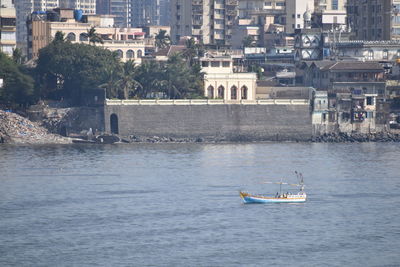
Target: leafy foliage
{"type": "Point", "coordinates": [162, 39]}
{"type": "Point", "coordinates": [18, 86]}
{"type": "Point", "coordinates": [67, 70]}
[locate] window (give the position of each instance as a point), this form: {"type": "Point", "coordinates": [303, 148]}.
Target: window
{"type": "Point", "coordinates": [71, 36]}
{"type": "Point", "coordinates": [226, 64]}
{"type": "Point", "coordinates": [215, 64]}
{"type": "Point", "coordinates": [370, 55]}
{"type": "Point", "coordinates": [130, 54]}
{"type": "Point", "coordinates": [221, 91]}
{"type": "Point", "coordinates": [370, 100]}
{"type": "Point", "coordinates": [210, 91]}
{"type": "Point", "coordinates": [385, 54]}
{"type": "Point", "coordinates": [139, 53]}
{"type": "Point", "coordinates": [233, 92]}
{"type": "Point", "coordinates": [335, 5]}
{"type": "Point", "coordinates": [120, 54]}
{"type": "Point", "coordinates": [204, 63]}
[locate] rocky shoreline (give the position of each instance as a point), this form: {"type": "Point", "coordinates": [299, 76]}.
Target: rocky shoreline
{"type": "Point", "coordinates": [15, 129]}
{"type": "Point", "coordinates": [356, 137]}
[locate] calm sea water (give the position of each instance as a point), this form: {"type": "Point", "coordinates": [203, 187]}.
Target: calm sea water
{"type": "Point", "coordinates": [178, 205]}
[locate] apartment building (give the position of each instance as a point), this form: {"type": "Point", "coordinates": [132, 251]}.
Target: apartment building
{"type": "Point", "coordinates": [7, 27]}
{"type": "Point", "coordinates": [23, 10]}
{"type": "Point", "coordinates": [129, 43]}
{"type": "Point", "coordinates": [374, 19]}
{"type": "Point", "coordinates": [209, 21]}
{"type": "Point", "coordinates": [87, 6]}
{"type": "Point", "coordinates": [295, 10]}
{"type": "Point", "coordinates": [145, 12]}
{"type": "Point", "coordinates": [330, 14]}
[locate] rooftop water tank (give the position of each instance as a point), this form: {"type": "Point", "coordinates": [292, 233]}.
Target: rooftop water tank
{"type": "Point", "coordinates": [78, 13]}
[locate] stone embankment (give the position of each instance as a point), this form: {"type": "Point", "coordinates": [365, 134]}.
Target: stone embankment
{"type": "Point", "coordinates": [16, 129]}
{"type": "Point", "coordinates": [356, 137]}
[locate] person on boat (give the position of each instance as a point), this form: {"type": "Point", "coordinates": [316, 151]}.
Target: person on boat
{"type": "Point", "coordinates": [277, 194]}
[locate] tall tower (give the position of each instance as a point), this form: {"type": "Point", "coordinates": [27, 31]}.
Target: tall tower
{"type": "Point", "coordinates": [374, 19]}
{"type": "Point", "coordinates": [209, 21]}
{"type": "Point", "coordinates": [121, 9]}
{"type": "Point", "coordinates": [7, 27]}
{"type": "Point", "coordinates": [145, 12]}
{"type": "Point", "coordinates": [87, 6]}
{"type": "Point", "coordinates": [23, 9]}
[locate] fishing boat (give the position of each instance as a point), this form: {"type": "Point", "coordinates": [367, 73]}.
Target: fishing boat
{"type": "Point", "coordinates": [288, 197]}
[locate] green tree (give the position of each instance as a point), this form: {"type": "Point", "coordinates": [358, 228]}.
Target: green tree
{"type": "Point", "coordinates": [248, 41]}
{"type": "Point", "coordinates": [59, 37]}
{"type": "Point", "coordinates": [17, 87]}
{"type": "Point", "coordinates": [162, 39]}
{"type": "Point", "coordinates": [93, 36]}
{"type": "Point", "coordinates": [17, 56]}
{"type": "Point", "coordinates": [127, 80]}
{"type": "Point", "coordinates": [68, 70]}
{"type": "Point", "coordinates": [111, 77]}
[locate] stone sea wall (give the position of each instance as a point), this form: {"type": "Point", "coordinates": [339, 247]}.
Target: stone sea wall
{"type": "Point", "coordinates": [289, 120]}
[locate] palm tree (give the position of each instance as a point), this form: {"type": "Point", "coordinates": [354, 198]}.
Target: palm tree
{"type": "Point", "coordinates": [93, 36]}
{"type": "Point", "coordinates": [127, 80]}
{"type": "Point", "coordinates": [17, 56]}
{"type": "Point", "coordinates": [59, 37]}
{"type": "Point", "coordinates": [112, 75]}
{"type": "Point", "coordinates": [162, 39]}
{"type": "Point", "coordinates": [193, 50]}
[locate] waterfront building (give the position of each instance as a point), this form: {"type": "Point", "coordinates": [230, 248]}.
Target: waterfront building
{"type": "Point", "coordinates": [220, 80]}
{"type": "Point", "coordinates": [209, 21]}
{"type": "Point", "coordinates": [355, 77]}
{"type": "Point", "coordinates": [374, 19]}
{"type": "Point", "coordinates": [129, 43]}
{"type": "Point", "coordinates": [23, 10]}
{"type": "Point", "coordinates": [7, 27]}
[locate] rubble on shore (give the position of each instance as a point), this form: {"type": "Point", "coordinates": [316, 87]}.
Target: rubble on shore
{"type": "Point", "coordinates": [15, 129]}
{"type": "Point", "coordinates": [356, 137]}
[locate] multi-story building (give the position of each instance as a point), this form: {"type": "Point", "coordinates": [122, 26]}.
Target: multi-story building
{"type": "Point", "coordinates": [374, 19]}
{"type": "Point", "coordinates": [87, 6]}
{"type": "Point", "coordinates": [102, 7]}
{"type": "Point", "coordinates": [7, 27]}
{"type": "Point", "coordinates": [165, 13]}
{"type": "Point", "coordinates": [294, 13]}
{"type": "Point", "coordinates": [129, 43]}
{"type": "Point", "coordinates": [121, 9]}
{"type": "Point", "coordinates": [23, 10]}
{"type": "Point", "coordinates": [330, 14]}
{"type": "Point", "coordinates": [145, 12]}
{"type": "Point", "coordinates": [209, 21]}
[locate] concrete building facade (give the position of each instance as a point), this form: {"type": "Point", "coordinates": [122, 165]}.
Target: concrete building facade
{"type": "Point", "coordinates": [7, 27]}
{"type": "Point", "coordinates": [145, 12]}
{"type": "Point", "coordinates": [221, 82]}
{"type": "Point", "coordinates": [374, 19]}
{"type": "Point", "coordinates": [209, 21]}
{"type": "Point", "coordinates": [24, 8]}
{"type": "Point", "coordinates": [129, 43]}
{"type": "Point", "coordinates": [87, 6]}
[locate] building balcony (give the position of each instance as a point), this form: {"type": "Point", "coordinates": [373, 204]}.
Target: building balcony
{"type": "Point", "coordinates": [197, 3]}
{"type": "Point", "coordinates": [232, 2]}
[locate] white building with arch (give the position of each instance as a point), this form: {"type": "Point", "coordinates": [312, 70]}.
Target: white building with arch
{"type": "Point", "coordinates": [221, 82]}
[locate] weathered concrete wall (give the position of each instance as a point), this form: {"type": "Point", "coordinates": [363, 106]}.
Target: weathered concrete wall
{"type": "Point", "coordinates": [221, 122]}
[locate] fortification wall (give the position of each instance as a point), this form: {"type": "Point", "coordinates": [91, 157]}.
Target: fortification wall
{"type": "Point", "coordinates": [252, 120]}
